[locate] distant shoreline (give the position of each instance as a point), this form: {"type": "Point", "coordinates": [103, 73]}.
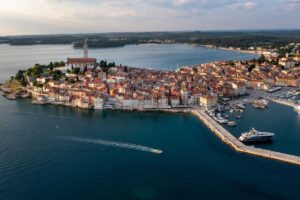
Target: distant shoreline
{"type": "Point", "coordinates": [231, 49]}
{"type": "Point", "coordinates": [137, 44]}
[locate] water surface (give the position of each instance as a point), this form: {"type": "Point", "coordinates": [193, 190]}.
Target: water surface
{"type": "Point", "coordinates": [40, 159]}
{"type": "Point", "coordinates": [163, 57]}
{"type": "Point", "coordinates": [37, 162]}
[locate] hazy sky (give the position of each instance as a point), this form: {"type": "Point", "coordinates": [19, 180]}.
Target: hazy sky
{"type": "Point", "coordinates": [88, 16]}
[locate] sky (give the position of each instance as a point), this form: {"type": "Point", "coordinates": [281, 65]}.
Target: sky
{"type": "Point", "coordinates": [25, 17]}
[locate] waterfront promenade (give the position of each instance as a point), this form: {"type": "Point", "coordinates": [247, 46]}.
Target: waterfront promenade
{"type": "Point", "coordinates": [284, 102]}
{"type": "Point", "coordinates": [233, 142]}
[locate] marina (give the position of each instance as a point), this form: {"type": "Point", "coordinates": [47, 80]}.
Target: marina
{"type": "Point", "coordinates": [229, 139]}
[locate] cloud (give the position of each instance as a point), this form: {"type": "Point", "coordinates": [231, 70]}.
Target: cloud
{"type": "Point", "coordinates": [249, 5]}
{"type": "Point", "coordinates": [69, 16]}
{"type": "Point", "coordinates": [290, 5]}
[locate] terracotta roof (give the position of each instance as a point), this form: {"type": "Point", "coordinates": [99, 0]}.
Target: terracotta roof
{"type": "Point", "coordinates": [81, 60]}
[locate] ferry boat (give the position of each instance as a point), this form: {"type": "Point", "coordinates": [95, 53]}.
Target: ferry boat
{"type": "Point", "coordinates": [231, 123]}
{"type": "Point", "coordinates": [255, 136]}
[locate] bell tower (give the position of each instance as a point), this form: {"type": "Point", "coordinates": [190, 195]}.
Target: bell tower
{"type": "Point", "coordinates": [86, 49]}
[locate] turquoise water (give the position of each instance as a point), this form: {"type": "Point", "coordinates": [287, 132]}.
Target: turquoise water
{"type": "Point", "coordinates": [163, 57]}
{"type": "Point", "coordinates": [39, 160]}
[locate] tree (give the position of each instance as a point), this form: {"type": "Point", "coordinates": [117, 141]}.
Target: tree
{"type": "Point", "coordinates": [56, 64]}
{"type": "Point", "coordinates": [75, 71]}
{"type": "Point", "coordinates": [103, 64]}
{"type": "Point", "coordinates": [261, 59]}
{"type": "Point", "coordinates": [251, 67]}
{"type": "Point", "coordinates": [84, 69]}
{"type": "Point", "coordinates": [51, 66]}
{"type": "Point", "coordinates": [231, 63]}
{"type": "Point", "coordinates": [19, 75]}
{"type": "Point", "coordinates": [56, 75]}
{"type": "Point", "coordinates": [62, 63]}
{"type": "Point", "coordinates": [111, 65]}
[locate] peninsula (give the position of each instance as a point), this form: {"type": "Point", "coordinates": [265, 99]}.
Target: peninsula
{"type": "Point", "coordinates": [88, 84]}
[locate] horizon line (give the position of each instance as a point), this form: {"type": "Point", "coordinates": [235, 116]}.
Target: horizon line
{"type": "Point", "coordinates": [162, 31]}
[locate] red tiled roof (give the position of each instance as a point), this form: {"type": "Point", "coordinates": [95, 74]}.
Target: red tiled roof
{"type": "Point", "coordinates": [81, 60]}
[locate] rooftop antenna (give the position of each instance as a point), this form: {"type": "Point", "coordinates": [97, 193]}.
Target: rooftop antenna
{"type": "Point", "coordinates": [85, 47]}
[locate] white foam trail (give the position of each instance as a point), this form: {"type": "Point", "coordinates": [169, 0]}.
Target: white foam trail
{"type": "Point", "coordinates": [39, 114]}
{"type": "Point", "coordinates": [116, 144]}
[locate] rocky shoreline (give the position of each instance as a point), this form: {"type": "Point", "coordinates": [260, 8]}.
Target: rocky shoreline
{"type": "Point", "coordinates": [12, 90]}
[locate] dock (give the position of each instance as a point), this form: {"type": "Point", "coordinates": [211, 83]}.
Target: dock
{"type": "Point", "coordinates": [238, 146]}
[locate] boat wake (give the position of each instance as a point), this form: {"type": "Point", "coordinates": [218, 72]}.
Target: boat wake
{"type": "Point", "coordinates": [39, 114]}
{"type": "Point", "coordinates": [116, 144]}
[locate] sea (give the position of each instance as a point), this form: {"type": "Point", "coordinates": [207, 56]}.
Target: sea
{"type": "Point", "coordinates": [56, 152]}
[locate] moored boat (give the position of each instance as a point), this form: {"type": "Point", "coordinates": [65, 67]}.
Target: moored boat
{"type": "Point", "coordinates": [231, 123]}
{"type": "Point", "coordinates": [241, 106]}
{"type": "Point", "coordinates": [238, 117]}
{"type": "Point", "coordinates": [255, 136]}
{"type": "Point", "coordinates": [259, 104]}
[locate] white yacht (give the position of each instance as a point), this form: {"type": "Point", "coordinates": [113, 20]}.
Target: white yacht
{"type": "Point", "coordinates": [255, 136]}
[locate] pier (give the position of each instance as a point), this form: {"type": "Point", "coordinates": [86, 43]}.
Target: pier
{"type": "Point", "coordinates": [233, 142]}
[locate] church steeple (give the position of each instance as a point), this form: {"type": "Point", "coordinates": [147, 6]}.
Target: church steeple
{"type": "Point", "coordinates": [86, 50]}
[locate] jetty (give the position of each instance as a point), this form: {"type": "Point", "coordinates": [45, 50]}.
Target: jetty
{"type": "Point", "coordinates": [233, 142]}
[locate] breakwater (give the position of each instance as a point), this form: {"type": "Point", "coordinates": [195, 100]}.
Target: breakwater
{"type": "Point", "coordinates": [230, 140]}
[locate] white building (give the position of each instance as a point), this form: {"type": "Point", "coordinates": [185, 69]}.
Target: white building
{"type": "Point", "coordinates": [163, 103]}
{"type": "Point", "coordinates": [239, 88]}
{"type": "Point", "coordinates": [287, 62]}
{"type": "Point", "coordinates": [174, 101]}
{"type": "Point", "coordinates": [98, 103]}
{"type": "Point", "coordinates": [185, 97]}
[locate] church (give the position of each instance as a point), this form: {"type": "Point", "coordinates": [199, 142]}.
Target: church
{"type": "Point", "coordinates": [81, 63]}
